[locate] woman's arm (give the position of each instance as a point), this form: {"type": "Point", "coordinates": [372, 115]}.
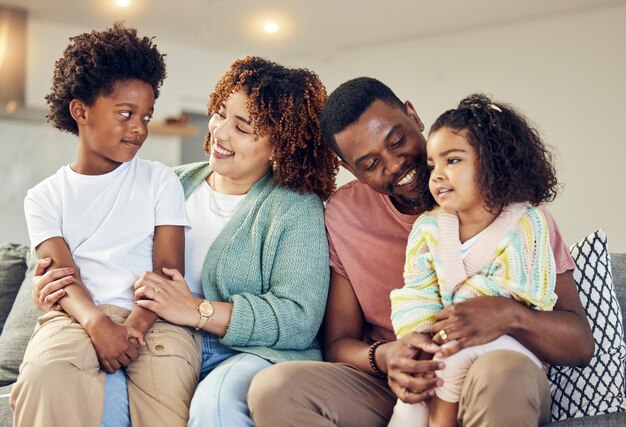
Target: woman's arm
{"type": "Point", "coordinates": [172, 300]}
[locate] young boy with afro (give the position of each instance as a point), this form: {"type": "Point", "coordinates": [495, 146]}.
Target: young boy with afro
{"type": "Point", "coordinates": [106, 218]}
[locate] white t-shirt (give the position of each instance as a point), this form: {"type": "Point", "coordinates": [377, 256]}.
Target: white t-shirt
{"type": "Point", "coordinates": [107, 222]}
{"type": "Point", "coordinates": [206, 225]}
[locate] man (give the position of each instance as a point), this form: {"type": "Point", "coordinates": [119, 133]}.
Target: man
{"type": "Point", "coordinates": [379, 139]}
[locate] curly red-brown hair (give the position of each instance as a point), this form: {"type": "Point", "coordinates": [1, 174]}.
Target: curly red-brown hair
{"type": "Point", "coordinates": [285, 104]}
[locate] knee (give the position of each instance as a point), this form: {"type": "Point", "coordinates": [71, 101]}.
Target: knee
{"type": "Point", "coordinates": [500, 372]}
{"type": "Point", "coordinates": [502, 388]}
{"type": "Point", "coordinates": [46, 377]}
{"type": "Point", "coordinates": [271, 386]}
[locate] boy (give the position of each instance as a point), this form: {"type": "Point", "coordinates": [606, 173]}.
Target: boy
{"type": "Point", "coordinates": [109, 216]}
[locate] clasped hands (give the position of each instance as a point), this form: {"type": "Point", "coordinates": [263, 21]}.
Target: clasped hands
{"type": "Point", "coordinates": [411, 372]}
{"type": "Point", "coordinates": [115, 344]}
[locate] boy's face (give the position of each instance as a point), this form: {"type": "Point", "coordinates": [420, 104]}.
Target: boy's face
{"type": "Point", "coordinates": [383, 148]}
{"type": "Point", "coordinates": [113, 128]}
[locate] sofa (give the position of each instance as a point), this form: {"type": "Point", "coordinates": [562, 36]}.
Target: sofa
{"type": "Point", "coordinates": [601, 389]}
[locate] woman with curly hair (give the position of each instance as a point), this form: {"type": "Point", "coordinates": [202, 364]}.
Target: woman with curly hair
{"type": "Point", "coordinates": [256, 268]}
{"type": "Point", "coordinates": [489, 170]}
{"type": "Point", "coordinates": [106, 218]}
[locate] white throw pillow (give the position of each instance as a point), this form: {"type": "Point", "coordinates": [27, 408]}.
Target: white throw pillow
{"type": "Point", "coordinates": [599, 387]}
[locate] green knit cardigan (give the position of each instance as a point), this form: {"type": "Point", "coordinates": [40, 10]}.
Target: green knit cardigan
{"type": "Point", "coordinates": [271, 262]}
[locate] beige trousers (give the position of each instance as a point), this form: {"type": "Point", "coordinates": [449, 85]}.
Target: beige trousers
{"type": "Point", "coordinates": [61, 384]}
{"type": "Point", "coordinates": [502, 388]}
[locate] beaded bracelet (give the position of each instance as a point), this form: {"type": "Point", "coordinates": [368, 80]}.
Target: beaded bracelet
{"type": "Point", "coordinates": [371, 358]}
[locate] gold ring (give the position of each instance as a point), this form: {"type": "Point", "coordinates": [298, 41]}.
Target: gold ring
{"type": "Point", "coordinates": [443, 335]}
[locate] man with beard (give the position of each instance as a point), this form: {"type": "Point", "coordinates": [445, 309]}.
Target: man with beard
{"type": "Point", "coordinates": [379, 139]}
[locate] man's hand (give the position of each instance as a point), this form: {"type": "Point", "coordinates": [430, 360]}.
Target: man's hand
{"type": "Point", "coordinates": [410, 379]}
{"type": "Point", "coordinates": [473, 322]}
{"type": "Point", "coordinates": [113, 343]}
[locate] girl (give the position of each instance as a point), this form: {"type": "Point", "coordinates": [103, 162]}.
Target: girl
{"type": "Point", "coordinates": [488, 172]}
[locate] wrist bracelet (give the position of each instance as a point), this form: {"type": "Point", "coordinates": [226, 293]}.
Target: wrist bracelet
{"type": "Point", "coordinates": [371, 358]}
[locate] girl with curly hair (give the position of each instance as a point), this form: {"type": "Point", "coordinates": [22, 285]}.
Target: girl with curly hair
{"type": "Point", "coordinates": [105, 219]}
{"type": "Point", "coordinates": [489, 172]}
{"type": "Point", "coordinates": [256, 268]}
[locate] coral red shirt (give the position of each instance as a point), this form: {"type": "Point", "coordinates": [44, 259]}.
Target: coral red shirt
{"type": "Point", "coordinates": [367, 239]}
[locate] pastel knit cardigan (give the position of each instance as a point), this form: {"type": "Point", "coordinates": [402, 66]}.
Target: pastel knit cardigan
{"type": "Point", "coordinates": [511, 258]}
{"type": "Point", "coordinates": [271, 262]}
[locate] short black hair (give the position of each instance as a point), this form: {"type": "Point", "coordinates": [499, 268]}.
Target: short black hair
{"type": "Point", "coordinates": [93, 63]}
{"type": "Point", "coordinates": [513, 164]}
{"type": "Point", "coordinates": [345, 105]}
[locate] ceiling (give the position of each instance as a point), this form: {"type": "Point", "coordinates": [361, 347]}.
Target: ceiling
{"type": "Point", "coordinates": [308, 27]}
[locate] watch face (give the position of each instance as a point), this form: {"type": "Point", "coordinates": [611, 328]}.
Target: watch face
{"type": "Point", "coordinates": [206, 309]}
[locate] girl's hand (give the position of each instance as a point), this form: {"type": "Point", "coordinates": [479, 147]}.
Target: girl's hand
{"type": "Point", "coordinates": [48, 287]}
{"type": "Point", "coordinates": [171, 299]}
{"type": "Point", "coordinates": [410, 379]}
{"type": "Point", "coordinates": [473, 322]}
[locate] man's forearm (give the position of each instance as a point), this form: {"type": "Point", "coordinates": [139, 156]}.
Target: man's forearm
{"type": "Point", "coordinates": [349, 350]}
{"type": "Point", "coordinates": [557, 337]}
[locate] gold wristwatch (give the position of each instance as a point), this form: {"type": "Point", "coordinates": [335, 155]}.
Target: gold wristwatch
{"type": "Point", "coordinates": [206, 310]}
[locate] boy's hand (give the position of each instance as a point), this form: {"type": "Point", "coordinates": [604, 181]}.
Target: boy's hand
{"type": "Point", "coordinates": [112, 343]}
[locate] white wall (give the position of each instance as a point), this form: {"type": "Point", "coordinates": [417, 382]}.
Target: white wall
{"type": "Point", "coordinates": [32, 151]}
{"type": "Point", "coordinates": [567, 73]}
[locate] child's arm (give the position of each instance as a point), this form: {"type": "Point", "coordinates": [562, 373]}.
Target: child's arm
{"type": "Point", "coordinates": [110, 340]}
{"type": "Point", "coordinates": [413, 307]}
{"type": "Point", "coordinates": [168, 251]}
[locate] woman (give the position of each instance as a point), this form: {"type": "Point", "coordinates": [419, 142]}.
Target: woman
{"type": "Point", "coordinates": [256, 268]}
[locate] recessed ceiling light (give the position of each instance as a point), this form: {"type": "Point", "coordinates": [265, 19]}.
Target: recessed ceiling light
{"type": "Point", "coordinates": [122, 3]}
{"type": "Point", "coordinates": [270, 27]}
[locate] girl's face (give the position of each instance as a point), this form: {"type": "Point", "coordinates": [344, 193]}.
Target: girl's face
{"type": "Point", "coordinates": [453, 181]}
{"type": "Point", "coordinates": [234, 152]}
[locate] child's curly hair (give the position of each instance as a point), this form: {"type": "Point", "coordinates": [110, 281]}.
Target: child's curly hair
{"type": "Point", "coordinates": [513, 164]}
{"type": "Point", "coordinates": [94, 62]}
{"type": "Point", "coordinates": [286, 104]}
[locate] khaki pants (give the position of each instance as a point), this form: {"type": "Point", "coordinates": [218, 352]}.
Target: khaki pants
{"type": "Point", "coordinates": [61, 384]}
{"type": "Point", "coordinates": [502, 388]}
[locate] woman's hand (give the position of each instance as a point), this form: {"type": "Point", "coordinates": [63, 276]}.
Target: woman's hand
{"type": "Point", "coordinates": [169, 299]}
{"type": "Point", "coordinates": [410, 379]}
{"type": "Point", "coordinates": [48, 287]}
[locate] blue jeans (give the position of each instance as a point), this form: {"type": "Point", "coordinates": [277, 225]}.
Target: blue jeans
{"type": "Point", "coordinates": [116, 412]}
{"type": "Point", "coordinates": [220, 398]}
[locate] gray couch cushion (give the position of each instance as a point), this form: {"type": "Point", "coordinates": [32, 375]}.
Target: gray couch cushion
{"type": "Point", "coordinates": [18, 328]}
{"type": "Point", "coordinates": [599, 387]}
{"type": "Point", "coordinates": [12, 270]}
{"type": "Point", "coordinates": [6, 414]}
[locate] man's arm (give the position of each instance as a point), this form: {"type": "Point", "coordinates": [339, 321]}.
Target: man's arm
{"type": "Point", "coordinates": [169, 252]}
{"type": "Point", "coordinates": [562, 336]}
{"type": "Point", "coordinates": [344, 328]}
